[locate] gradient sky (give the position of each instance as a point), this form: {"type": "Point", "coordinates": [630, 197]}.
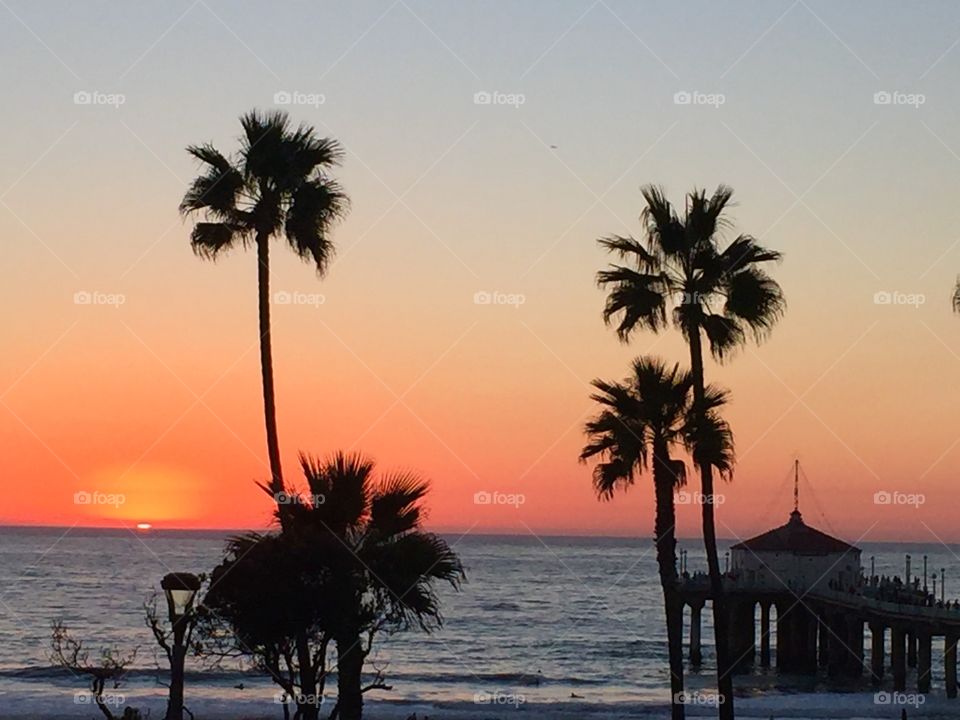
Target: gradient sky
{"type": "Point", "coordinates": [159, 399]}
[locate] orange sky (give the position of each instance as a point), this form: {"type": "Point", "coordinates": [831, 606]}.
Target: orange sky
{"type": "Point", "coordinates": [158, 399]}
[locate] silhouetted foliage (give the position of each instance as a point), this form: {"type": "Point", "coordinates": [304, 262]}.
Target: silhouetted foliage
{"type": "Point", "coordinates": [352, 561]}
{"type": "Point", "coordinates": [685, 273]}
{"type": "Point", "coordinates": [641, 421]}
{"type": "Point", "coordinates": [109, 667]}
{"type": "Point", "coordinates": [278, 183]}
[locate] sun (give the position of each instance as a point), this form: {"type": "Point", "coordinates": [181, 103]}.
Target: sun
{"type": "Point", "coordinates": [144, 526]}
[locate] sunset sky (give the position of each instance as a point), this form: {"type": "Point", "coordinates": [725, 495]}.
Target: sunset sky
{"type": "Point", "coordinates": [158, 399]}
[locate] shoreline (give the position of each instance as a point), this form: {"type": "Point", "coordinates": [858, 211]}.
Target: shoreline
{"type": "Point", "coordinates": [804, 706]}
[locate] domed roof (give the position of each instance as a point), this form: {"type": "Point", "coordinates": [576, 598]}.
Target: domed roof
{"type": "Point", "coordinates": [796, 537]}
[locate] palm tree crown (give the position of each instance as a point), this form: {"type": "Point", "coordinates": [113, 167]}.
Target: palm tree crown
{"type": "Point", "coordinates": [368, 530]}
{"type": "Point", "coordinates": [277, 183]}
{"type": "Point", "coordinates": [682, 270]}
{"type": "Point", "coordinates": [649, 409]}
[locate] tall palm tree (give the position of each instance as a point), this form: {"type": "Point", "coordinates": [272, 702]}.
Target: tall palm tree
{"type": "Point", "coordinates": [380, 566]}
{"type": "Point", "coordinates": [646, 417]}
{"type": "Point", "coordinates": [278, 183]}
{"type": "Point", "coordinates": [686, 273]}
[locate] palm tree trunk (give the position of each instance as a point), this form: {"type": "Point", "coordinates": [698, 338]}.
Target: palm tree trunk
{"type": "Point", "coordinates": [266, 367]}
{"type": "Point", "coordinates": [666, 541]}
{"type": "Point", "coordinates": [308, 705]}
{"type": "Point", "coordinates": [721, 632]}
{"type": "Point", "coordinates": [349, 677]}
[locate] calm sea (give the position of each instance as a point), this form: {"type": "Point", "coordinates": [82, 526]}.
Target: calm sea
{"type": "Point", "coordinates": [556, 620]}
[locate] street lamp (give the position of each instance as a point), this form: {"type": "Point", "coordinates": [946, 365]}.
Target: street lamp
{"type": "Point", "coordinates": [180, 589]}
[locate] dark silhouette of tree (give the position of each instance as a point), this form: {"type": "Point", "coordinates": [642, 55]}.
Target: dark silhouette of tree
{"type": "Point", "coordinates": [263, 605]}
{"type": "Point", "coordinates": [642, 419]}
{"type": "Point", "coordinates": [109, 666]}
{"type": "Point", "coordinates": [683, 272]}
{"type": "Point", "coordinates": [277, 184]}
{"type": "Point", "coordinates": [956, 297]}
{"type": "Point", "coordinates": [352, 561]}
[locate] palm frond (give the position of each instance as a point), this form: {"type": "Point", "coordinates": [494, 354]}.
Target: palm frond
{"type": "Point", "coordinates": [209, 239]}
{"type": "Point", "coordinates": [665, 231]}
{"type": "Point", "coordinates": [754, 298]}
{"type": "Point", "coordinates": [395, 507]}
{"type": "Point", "coordinates": [705, 216]}
{"type": "Point", "coordinates": [314, 208]}
{"type": "Point", "coordinates": [217, 189]}
{"type": "Point", "coordinates": [638, 299]}
{"type": "Point", "coordinates": [724, 334]}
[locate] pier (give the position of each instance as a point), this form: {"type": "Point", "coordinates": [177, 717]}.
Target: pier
{"type": "Point", "coordinates": [811, 588]}
{"type": "Point", "coordinates": [825, 630]}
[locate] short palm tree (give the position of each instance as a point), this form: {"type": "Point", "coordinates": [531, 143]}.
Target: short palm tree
{"type": "Point", "coordinates": [380, 566]}
{"type": "Point", "coordinates": [277, 184]}
{"type": "Point", "coordinates": [685, 273]}
{"type": "Point", "coordinates": [641, 422]}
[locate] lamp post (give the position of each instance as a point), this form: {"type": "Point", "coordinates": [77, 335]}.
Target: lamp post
{"type": "Point", "coordinates": [180, 590]}
{"type": "Point", "coordinates": [925, 574]}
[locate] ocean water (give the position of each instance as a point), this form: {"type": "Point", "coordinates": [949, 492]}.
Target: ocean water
{"type": "Point", "coordinates": [553, 622]}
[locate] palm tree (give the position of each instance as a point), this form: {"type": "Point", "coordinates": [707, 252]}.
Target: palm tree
{"type": "Point", "coordinates": [685, 273]}
{"type": "Point", "coordinates": [956, 297]}
{"type": "Point", "coordinates": [648, 416]}
{"type": "Point", "coordinates": [380, 566]}
{"type": "Point", "coordinates": [277, 183]}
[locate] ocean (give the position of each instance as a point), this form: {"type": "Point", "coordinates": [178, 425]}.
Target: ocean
{"type": "Point", "coordinates": [556, 623]}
